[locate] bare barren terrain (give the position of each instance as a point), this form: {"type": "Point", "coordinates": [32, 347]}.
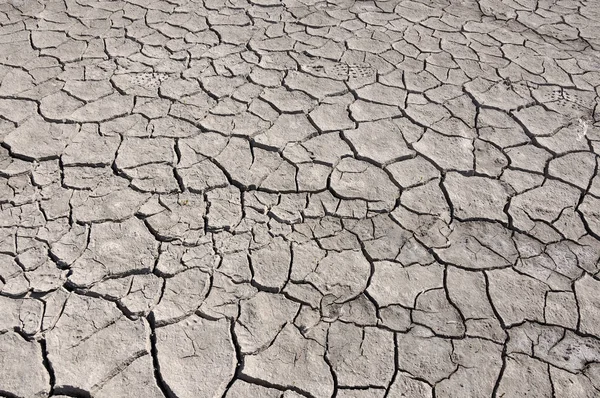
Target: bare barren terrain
{"type": "Point", "coordinates": [283, 199]}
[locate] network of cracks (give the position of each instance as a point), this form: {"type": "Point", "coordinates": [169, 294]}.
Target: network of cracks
{"type": "Point", "coordinates": [299, 198]}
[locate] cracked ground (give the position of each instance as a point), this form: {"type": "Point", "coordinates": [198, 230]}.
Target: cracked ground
{"type": "Point", "coordinates": [299, 198]}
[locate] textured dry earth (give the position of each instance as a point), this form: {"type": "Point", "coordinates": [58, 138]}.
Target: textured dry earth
{"type": "Point", "coordinates": [265, 199]}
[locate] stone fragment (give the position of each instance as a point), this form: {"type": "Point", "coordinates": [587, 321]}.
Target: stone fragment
{"type": "Point", "coordinates": [143, 294]}
{"type": "Point", "coordinates": [23, 373]}
{"type": "Point", "coordinates": [39, 140]}
{"type": "Point", "coordinates": [182, 295]}
{"type": "Point", "coordinates": [365, 111]}
{"type": "Point", "coordinates": [411, 172]}
{"type": "Point", "coordinates": [242, 389]}
{"type": "Point", "coordinates": [544, 203]}
{"type": "Point", "coordinates": [225, 208]}
{"type": "Point", "coordinates": [425, 356]}
{"type": "Point", "coordinates": [589, 209]}
{"type": "Point", "coordinates": [567, 384]}
{"type": "Point", "coordinates": [114, 249]}
{"type": "Point", "coordinates": [106, 108]}
{"type": "Point", "coordinates": [292, 361]}
{"type": "Point", "coordinates": [148, 162]}
{"type": "Point", "coordinates": [575, 168]}
{"type": "Point", "coordinates": [406, 386]}
{"type": "Point", "coordinates": [110, 200]}
{"type": "Point", "coordinates": [380, 141]}
{"type": "Point", "coordinates": [433, 310]}
{"type": "Point", "coordinates": [479, 245]}
{"type": "Point", "coordinates": [480, 364]}
{"type": "Point", "coordinates": [137, 376]}
{"type": "Point", "coordinates": [528, 157]}
{"type": "Point", "coordinates": [288, 128]}
{"type": "Point", "coordinates": [179, 216]}
{"type": "Point", "coordinates": [561, 309]}
{"type": "Point", "coordinates": [356, 179]}
{"type": "Point", "coordinates": [588, 304]}
{"type": "Point", "coordinates": [89, 90]}
{"type": "Point", "coordinates": [342, 283]}
{"type": "Point", "coordinates": [427, 199]}
{"type": "Point", "coordinates": [477, 197]}
{"type": "Point", "coordinates": [449, 153]}
{"type": "Point", "coordinates": [414, 280]}
{"type": "Point", "coordinates": [288, 101]}
{"type": "Point", "coordinates": [517, 297]}
{"type": "Point", "coordinates": [196, 357]}
{"type": "Point", "coordinates": [261, 319]}
{"type": "Point", "coordinates": [271, 263]}
{"type": "Point", "coordinates": [360, 357]}
{"type": "Point", "coordinates": [525, 375]}
{"type": "Point", "coordinates": [172, 128]}
{"type": "Point", "coordinates": [468, 292]}
{"type": "Point", "coordinates": [93, 341]}
{"type": "Point", "coordinates": [382, 94]}
{"type": "Point", "coordinates": [256, 167]}
{"type": "Point", "coordinates": [317, 87]}
{"type": "Point", "coordinates": [89, 148]}
{"type": "Point", "coordinates": [331, 117]}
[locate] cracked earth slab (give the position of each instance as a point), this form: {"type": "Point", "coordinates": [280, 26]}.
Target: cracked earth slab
{"type": "Point", "coordinates": [284, 199]}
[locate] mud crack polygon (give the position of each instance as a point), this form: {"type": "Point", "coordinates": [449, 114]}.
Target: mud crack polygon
{"type": "Point", "coordinates": [282, 199]}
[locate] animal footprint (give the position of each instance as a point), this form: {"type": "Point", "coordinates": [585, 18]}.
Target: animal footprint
{"type": "Point", "coordinates": [520, 88]}
{"type": "Point", "coordinates": [340, 71]}
{"type": "Point", "coordinates": [575, 99]}
{"type": "Point", "coordinates": [569, 99]}
{"type": "Point", "coordinates": [148, 79]}
{"type": "Point", "coordinates": [554, 95]}
{"type": "Point", "coordinates": [356, 71]}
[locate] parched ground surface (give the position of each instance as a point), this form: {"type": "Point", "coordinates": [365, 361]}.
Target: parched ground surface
{"type": "Point", "coordinates": [266, 199]}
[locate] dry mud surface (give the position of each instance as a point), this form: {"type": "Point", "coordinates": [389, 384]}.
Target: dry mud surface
{"type": "Point", "coordinates": [283, 199]}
